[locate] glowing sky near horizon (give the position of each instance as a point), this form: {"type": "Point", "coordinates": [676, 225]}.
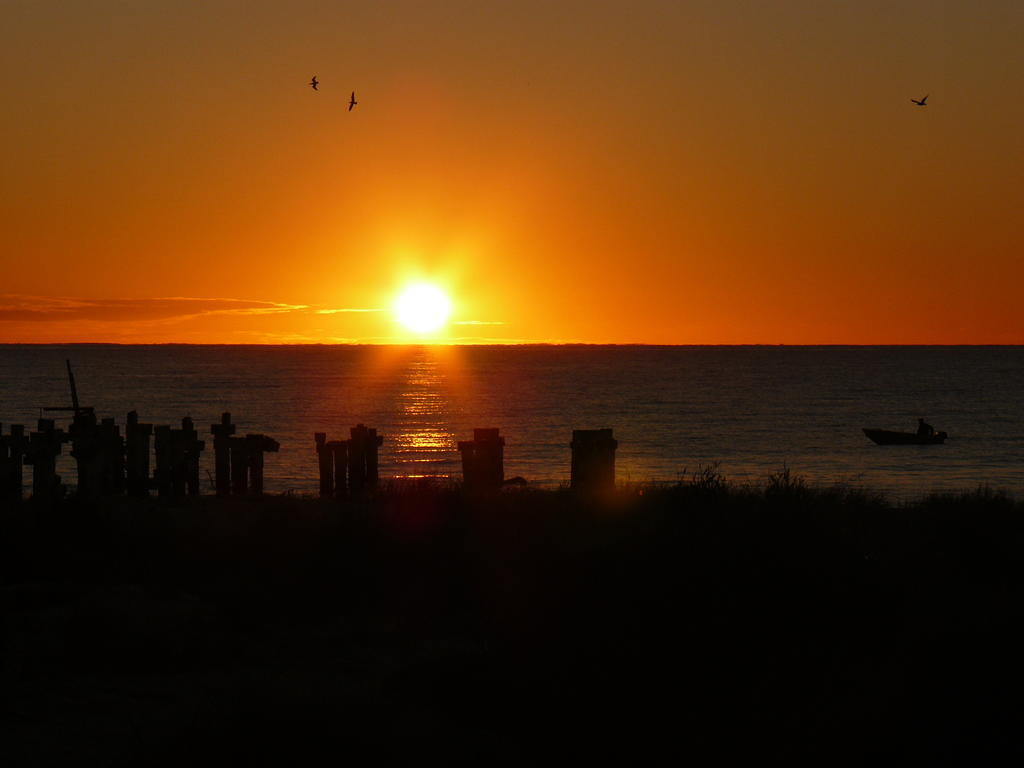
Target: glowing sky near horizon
{"type": "Point", "coordinates": [654, 172]}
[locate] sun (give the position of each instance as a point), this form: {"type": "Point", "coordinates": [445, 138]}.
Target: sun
{"type": "Point", "coordinates": [423, 308]}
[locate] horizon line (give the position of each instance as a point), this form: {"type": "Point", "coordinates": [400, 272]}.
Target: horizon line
{"type": "Point", "coordinates": [490, 344]}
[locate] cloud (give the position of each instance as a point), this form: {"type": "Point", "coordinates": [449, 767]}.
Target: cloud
{"type": "Point", "coordinates": [42, 309]}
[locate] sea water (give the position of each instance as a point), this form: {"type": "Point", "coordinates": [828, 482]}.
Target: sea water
{"type": "Point", "coordinates": [674, 410]}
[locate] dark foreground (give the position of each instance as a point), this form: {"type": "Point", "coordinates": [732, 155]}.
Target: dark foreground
{"type": "Point", "coordinates": [694, 624]}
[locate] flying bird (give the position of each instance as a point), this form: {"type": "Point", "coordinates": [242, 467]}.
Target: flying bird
{"type": "Point", "coordinates": [352, 101]}
{"type": "Point", "coordinates": [921, 103]}
{"type": "Point", "coordinates": [314, 83]}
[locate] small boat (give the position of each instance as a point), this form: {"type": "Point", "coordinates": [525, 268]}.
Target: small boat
{"type": "Point", "coordinates": [885, 437]}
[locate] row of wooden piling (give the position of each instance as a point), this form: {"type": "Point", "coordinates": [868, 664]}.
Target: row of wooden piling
{"type": "Point", "coordinates": [110, 464]}
{"type": "Point", "coordinates": [347, 467]}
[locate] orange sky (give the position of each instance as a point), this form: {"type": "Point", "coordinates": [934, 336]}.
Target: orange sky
{"type": "Point", "coordinates": [660, 172]}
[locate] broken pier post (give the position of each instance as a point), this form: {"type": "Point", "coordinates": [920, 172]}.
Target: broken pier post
{"type": "Point", "coordinates": [332, 458]}
{"type": "Point", "coordinates": [362, 458]}
{"type": "Point", "coordinates": [191, 447]}
{"type": "Point", "coordinates": [239, 448]}
{"type": "Point", "coordinates": [44, 446]}
{"type": "Point", "coordinates": [137, 455]}
{"type": "Point", "coordinates": [222, 453]}
{"type": "Point", "coordinates": [85, 448]}
{"type": "Point", "coordinates": [163, 474]}
{"type": "Point", "coordinates": [238, 460]}
{"type": "Point", "coordinates": [325, 461]}
{"type": "Point", "coordinates": [593, 460]}
{"type": "Point", "coordinates": [12, 453]}
{"type": "Point", "coordinates": [112, 460]}
{"type": "Point", "coordinates": [177, 460]}
{"type": "Point", "coordinates": [483, 459]}
{"type": "Point", "coordinates": [257, 445]}
{"type": "Point", "coordinates": [339, 454]}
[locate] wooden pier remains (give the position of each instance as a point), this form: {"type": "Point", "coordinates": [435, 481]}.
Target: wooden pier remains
{"type": "Point", "coordinates": [137, 456]}
{"type": "Point", "coordinates": [362, 459]}
{"type": "Point", "coordinates": [483, 465]}
{"type": "Point", "coordinates": [332, 458]}
{"type": "Point", "coordinates": [256, 446]}
{"type": "Point", "coordinates": [177, 454]}
{"type": "Point", "coordinates": [593, 460]}
{"type": "Point", "coordinates": [348, 467]}
{"type": "Point", "coordinates": [98, 449]}
{"type": "Point", "coordinates": [238, 461]}
{"type": "Point", "coordinates": [12, 462]}
{"type": "Point", "coordinates": [85, 448]}
{"type": "Point", "coordinates": [222, 454]}
{"type": "Point", "coordinates": [44, 446]}
{"type": "Point", "coordinates": [112, 460]}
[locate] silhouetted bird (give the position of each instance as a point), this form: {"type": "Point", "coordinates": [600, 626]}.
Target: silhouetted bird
{"type": "Point", "coordinates": [352, 101]}
{"type": "Point", "coordinates": [921, 103]}
{"type": "Point", "coordinates": [314, 83]}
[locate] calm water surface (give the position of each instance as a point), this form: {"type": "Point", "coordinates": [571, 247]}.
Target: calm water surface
{"type": "Point", "coordinates": [751, 409]}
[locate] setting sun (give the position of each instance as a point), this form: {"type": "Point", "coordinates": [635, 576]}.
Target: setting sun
{"type": "Point", "coordinates": [423, 308]}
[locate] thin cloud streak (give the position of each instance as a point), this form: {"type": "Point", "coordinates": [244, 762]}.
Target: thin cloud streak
{"type": "Point", "coordinates": [42, 309]}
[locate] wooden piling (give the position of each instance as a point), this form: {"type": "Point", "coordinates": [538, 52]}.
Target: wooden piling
{"type": "Point", "coordinates": [362, 458]}
{"type": "Point", "coordinates": [137, 455]}
{"type": "Point", "coordinates": [339, 454]}
{"type": "Point", "coordinates": [17, 444]}
{"type": "Point", "coordinates": [44, 447]}
{"type": "Point", "coordinates": [191, 447]}
{"type": "Point", "coordinates": [483, 464]}
{"type": "Point", "coordinates": [85, 448]}
{"type": "Point", "coordinates": [222, 453]}
{"type": "Point", "coordinates": [325, 460]}
{"type": "Point", "coordinates": [111, 459]}
{"type": "Point", "coordinates": [12, 453]}
{"type": "Point", "coordinates": [256, 446]}
{"type": "Point", "coordinates": [163, 474]}
{"type": "Point", "coordinates": [239, 453]}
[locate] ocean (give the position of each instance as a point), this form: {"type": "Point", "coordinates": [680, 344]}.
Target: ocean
{"type": "Point", "coordinates": [674, 410]}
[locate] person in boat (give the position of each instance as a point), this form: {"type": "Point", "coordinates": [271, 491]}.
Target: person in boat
{"type": "Point", "coordinates": [924, 429]}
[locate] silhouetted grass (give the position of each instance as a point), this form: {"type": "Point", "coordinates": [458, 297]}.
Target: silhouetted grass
{"type": "Point", "coordinates": [693, 621]}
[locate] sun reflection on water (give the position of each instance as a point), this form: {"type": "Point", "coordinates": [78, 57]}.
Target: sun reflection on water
{"type": "Point", "coordinates": [425, 442]}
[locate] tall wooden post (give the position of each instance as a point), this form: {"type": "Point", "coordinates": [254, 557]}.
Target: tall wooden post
{"type": "Point", "coordinates": [257, 445]}
{"type": "Point", "coordinates": [44, 447]}
{"type": "Point", "coordinates": [12, 452]}
{"type": "Point", "coordinates": [373, 442]}
{"type": "Point", "coordinates": [356, 462]}
{"type": "Point", "coordinates": [239, 448]}
{"type": "Point", "coordinates": [137, 455]}
{"type": "Point", "coordinates": [163, 475]}
{"type": "Point", "coordinates": [112, 460]}
{"type": "Point", "coordinates": [362, 458]}
{"type": "Point", "coordinates": [325, 461]}
{"type": "Point", "coordinates": [192, 447]}
{"type": "Point", "coordinates": [593, 460]}
{"type": "Point", "coordinates": [339, 454]}
{"type": "Point", "coordinates": [85, 448]}
{"type": "Point", "coordinates": [222, 453]}
{"type": "Point", "coordinates": [483, 464]}
{"type": "Point", "coordinates": [179, 464]}
{"type": "Point", "coordinates": [17, 444]}
{"type": "Point", "coordinates": [255, 465]}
